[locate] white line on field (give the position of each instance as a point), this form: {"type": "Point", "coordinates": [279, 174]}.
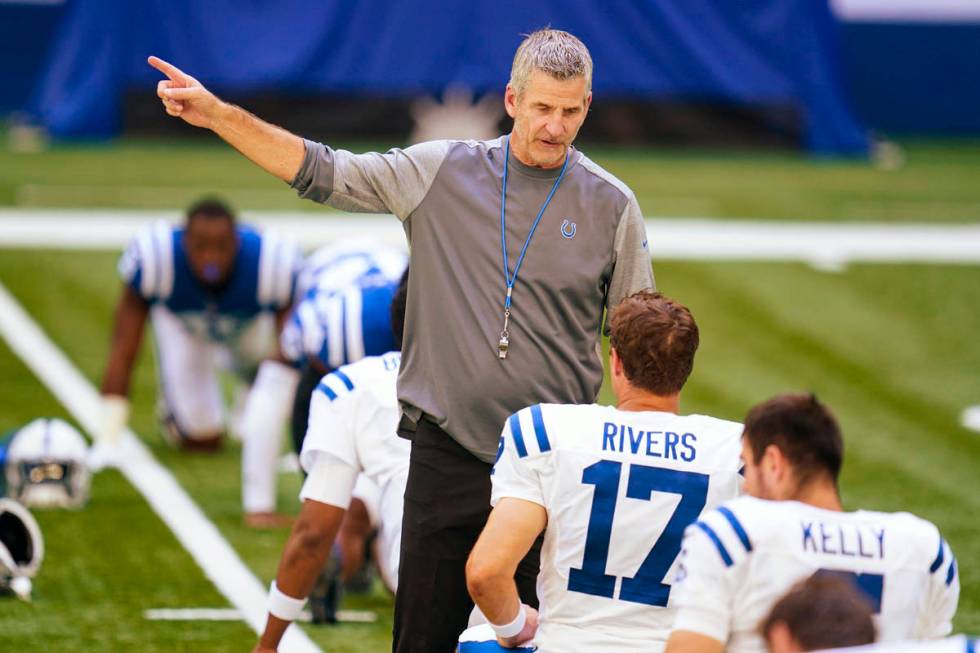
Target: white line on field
{"type": "Point", "coordinates": [161, 490]}
{"type": "Point", "coordinates": [825, 245]}
{"type": "Point", "coordinates": [231, 614]}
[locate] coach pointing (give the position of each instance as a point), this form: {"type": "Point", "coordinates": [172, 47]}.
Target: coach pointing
{"type": "Point", "coordinates": [518, 246]}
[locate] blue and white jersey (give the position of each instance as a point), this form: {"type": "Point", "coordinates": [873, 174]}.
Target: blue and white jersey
{"type": "Point", "coordinates": [738, 560]}
{"type": "Point", "coordinates": [342, 326]}
{"type": "Point", "coordinates": [340, 264]}
{"type": "Point", "coordinates": [263, 278]}
{"type": "Point", "coordinates": [354, 416]}
{"type": "Point", "coordinates": [619, 488]}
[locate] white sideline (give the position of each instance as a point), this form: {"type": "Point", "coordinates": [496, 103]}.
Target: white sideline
{"type": "Point", "coordinates": [824, 245]}
{"type": "Point", "coordinates": [161, 490]}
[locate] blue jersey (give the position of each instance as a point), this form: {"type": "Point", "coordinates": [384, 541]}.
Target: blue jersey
{"type": "Point", "coordinates": [340, 327]}
{"type": "Point", "coordinates": [263, 278]}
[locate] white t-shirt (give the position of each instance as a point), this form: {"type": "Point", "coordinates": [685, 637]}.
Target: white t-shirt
{"type": "Point", "coordinates": [738, 560]}
{"type": "Point", "coordinates": [353, 430]}
{"type": "Point", "coordinates": [619, 488]}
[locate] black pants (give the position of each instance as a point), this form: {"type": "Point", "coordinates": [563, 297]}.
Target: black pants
{"type": "Point", "coordinates": [447, 502]}
{"type": "Point", "coordinates": [308, 381]}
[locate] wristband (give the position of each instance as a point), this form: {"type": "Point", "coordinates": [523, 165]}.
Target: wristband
{"type": "Point", "coordinates": [115, 414]}
{"type": "Point", "coordinates": [283, 606]}
{"type": "Point", "coordinates": [514, 627]}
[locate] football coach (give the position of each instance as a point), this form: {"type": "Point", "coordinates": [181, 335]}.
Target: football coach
{"type": "Point", "coordinates": [519, 246]}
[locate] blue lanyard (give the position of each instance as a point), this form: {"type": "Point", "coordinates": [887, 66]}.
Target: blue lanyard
{"type": "Point", "coordinates": [511, 279]}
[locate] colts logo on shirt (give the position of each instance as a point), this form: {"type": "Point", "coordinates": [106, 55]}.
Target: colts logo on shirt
{"type": "Point", "coordinates": [568, 229]}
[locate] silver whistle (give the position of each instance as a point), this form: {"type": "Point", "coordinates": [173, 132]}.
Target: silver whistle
{"type": "Point", "coordinates": [503, 345]}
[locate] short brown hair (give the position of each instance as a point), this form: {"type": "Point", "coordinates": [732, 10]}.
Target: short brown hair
{"type": "Point", "coordinates": [656, 338]}
{"type": "Point", "coordinates": [803, 429]}
{"type": "Point", "coordinates": [823, 612]}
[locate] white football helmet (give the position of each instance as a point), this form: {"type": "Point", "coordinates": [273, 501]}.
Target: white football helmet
{"type": "Point", "coordinates": [21, 548]}
{"type": "Point", "coordinates": [45, 465]}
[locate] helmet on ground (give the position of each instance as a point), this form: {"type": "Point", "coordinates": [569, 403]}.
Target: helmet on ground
{"type": "Point", "coordinates": [21, 548]}
{"type": "Point", "coordinates": [44, 465]}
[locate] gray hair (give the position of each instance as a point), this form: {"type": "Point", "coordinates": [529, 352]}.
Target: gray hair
{"type": "Point", "coordinates": [555, 52]}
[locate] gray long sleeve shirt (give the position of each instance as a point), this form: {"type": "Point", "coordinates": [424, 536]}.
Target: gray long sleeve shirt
{"type": "Point", "coordinates": [588, 253]}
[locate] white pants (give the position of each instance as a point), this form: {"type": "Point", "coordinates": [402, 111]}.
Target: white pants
{"type": "Point", "coordinates": [188, 365]}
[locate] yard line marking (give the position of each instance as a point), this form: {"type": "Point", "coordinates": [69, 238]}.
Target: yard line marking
{"type": "Point", "coordinates": [231, 614]}
{"type": "Point", "coordinates": [829, 246]}
{"type": "Point", "coordinates": [161, 490]}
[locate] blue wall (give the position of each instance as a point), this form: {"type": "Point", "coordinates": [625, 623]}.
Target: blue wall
{"type": "Point", "coordinates": [906, 77]}
{"type": "Point", "coordinates": [26, 34]}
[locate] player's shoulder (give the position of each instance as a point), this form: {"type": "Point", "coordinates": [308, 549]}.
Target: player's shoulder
{"type": "Point", "coordinates": [148, 261]}
{"type": "Point", "coordinates": [737, 527]}
{"type": "Point", "coordinates": [605, 179]}
{"type": "Point", "coordinates": [372, 374]}
{"type": "Point", "coordinates": [715, 426]}
{"type": "Point", "coordinates": [544, 428]}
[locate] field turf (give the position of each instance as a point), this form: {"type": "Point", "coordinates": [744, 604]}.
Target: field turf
{"type": "Point", "coordinates": [893, 349]}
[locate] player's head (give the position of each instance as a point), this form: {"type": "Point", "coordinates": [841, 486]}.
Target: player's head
{"type": "Point", "coordinates": [821, 612]}
{"type": "Point", "coordinates": [790, 442]}
{"type": "Point", "coordinates": [211, 241]}
{"type": "Point", "coordinates": [398, 302]}
{"type": "Point", "coordinates": [548, 95]}
{"type": "Point", "coordinates": [653, 340]}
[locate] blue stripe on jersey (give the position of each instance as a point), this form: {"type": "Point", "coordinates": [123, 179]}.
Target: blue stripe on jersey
{"type": "Point", "coordinates": [939, 558]}
{"type": "Point", "coordinates": [539, 430]}
{"type": "Point", "coordinates": [325, 389]}
{"type": "Point", "coordinates": [951, 574]}
{"type": "Point", "coordinates": [971, 645]}
{"type": "Point", "coordinates": [722, 551]}
{"type": "Point", "coordinates": [743, 537]}
{"type": "Point", "coordinates": [515, 429]}
{"type": "Point", "coordinates": [343, 377]}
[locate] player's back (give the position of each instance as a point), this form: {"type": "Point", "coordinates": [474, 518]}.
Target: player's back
{"type": "Point", "coordinates": [619, 488]}
{"type": "Point", "coordinates": [741, 558]}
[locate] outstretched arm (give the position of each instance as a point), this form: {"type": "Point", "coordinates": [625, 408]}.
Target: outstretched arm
{"type": "Point", "coordinates": [131, 312]}
{"type": "Point", "coordinates": [273, 148]}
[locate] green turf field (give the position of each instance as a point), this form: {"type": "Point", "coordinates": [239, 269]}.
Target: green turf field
{"type": "Point", "coordinates": [937, 183]}
{"type": "Point", "coordinates": [893, 349]}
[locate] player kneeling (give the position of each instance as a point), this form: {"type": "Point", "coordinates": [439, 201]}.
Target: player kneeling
{"type": "Point", "coordinates": [352, 431]}
{"type": "Point", "coordinates": [739, 559]}
{"type": "Point", "coordinates": [612, 489]}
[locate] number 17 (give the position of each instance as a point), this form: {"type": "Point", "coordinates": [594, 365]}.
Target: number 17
{"type": "Point", "coordinates": [647, 585]}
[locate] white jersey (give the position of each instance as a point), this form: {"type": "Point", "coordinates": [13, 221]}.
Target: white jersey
{"type": "Point", "coordinates": [354, 419]}
{"type": "Point", "coordinates": [738, 560]}
{"type": "Point", "coordinates": [957, 644]}
{"type": "Point", "coordinates": [619, 488]}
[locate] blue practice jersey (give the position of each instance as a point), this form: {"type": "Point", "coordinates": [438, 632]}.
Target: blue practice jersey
{"type": "Point", "coordinates": [263, 278]}
{"type": "Point", "coordinates": [342, 326]}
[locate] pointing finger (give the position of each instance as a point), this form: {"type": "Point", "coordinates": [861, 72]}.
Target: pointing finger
{"type": "Point", "coordinates": [168, 69]}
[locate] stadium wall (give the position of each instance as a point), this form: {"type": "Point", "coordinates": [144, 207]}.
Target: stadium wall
{"type": "Point", "coordinates": [911, 65]}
